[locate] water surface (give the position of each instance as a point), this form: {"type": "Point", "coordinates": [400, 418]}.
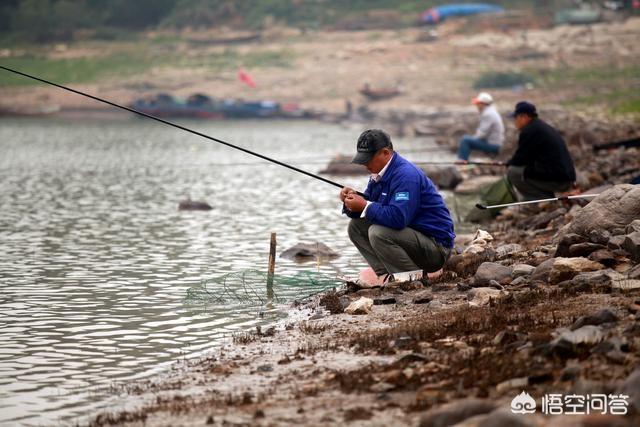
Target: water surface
{"type": "Point", "coordinates": [96, 260]}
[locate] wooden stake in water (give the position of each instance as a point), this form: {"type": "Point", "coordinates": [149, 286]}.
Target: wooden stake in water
{"type": "Point", "coordinates": [272, 266]}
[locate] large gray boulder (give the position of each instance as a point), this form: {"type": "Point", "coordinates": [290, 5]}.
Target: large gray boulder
{"type": "Point", "coordinates": [616, 207]}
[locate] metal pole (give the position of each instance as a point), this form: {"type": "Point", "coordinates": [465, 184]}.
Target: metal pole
{"type": "Point", "coordinates": [272, 266]}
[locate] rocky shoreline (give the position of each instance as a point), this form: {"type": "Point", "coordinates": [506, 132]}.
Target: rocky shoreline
{"type": "Point", "coordinates": [546, 301]}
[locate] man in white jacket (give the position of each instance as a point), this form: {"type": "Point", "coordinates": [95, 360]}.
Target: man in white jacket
{"type": "Point", "coordinates": [489, 136]}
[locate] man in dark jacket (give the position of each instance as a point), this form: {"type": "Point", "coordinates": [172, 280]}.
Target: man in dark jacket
{"type": "Point", "coordinates": [402, 223]}
{"type": "Point", "coordinates": [541, 164]}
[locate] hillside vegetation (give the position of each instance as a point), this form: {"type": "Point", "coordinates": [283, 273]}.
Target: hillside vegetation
{"type": "Point", "coordinates": [63, 20]}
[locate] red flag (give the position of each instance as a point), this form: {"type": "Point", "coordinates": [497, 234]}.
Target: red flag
{"type": "Point", "coordinates": [244, 77]}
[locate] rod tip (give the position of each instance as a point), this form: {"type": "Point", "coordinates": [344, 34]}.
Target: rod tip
{"type": "Point", "coordinates": [479, 206]}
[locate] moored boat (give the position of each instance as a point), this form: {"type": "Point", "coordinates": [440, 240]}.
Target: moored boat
{"type": "Point", "coordinates": [201, 106]}
{"type": "Point", "coordinates": [165, 105]}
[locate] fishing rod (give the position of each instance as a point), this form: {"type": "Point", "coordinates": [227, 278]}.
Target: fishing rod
{"type": "Point", "coordinates": [175, 125]}
{"type": "Point", "coordinates": [553, 199]}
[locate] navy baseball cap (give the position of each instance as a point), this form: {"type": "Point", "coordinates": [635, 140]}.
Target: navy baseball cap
{"type": "Point", "coordinates": [524, 107]}
{"type": "Point", "coordinates": [369, 143]}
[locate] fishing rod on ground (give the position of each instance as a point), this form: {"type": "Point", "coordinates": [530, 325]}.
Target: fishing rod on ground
{"type": "Point", "coordinates": [175, 125]}
{"type": "Point", "coordinates": [553, 199]}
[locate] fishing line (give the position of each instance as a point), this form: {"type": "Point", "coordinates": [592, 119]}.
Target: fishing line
{"type": "Point", "coordinates": [175, 125]}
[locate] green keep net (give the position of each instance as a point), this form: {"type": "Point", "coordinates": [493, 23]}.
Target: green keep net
{"type": "Point", "coordinates": [251, 287]}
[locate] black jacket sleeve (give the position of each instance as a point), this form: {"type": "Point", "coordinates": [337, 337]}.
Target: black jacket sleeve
{"type": "Point", "coordinates": [524, 152]}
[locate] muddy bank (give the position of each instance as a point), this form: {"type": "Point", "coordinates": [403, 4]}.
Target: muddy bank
{"type": "Point", "coordinates": [389, 367]}
{"type": "Point", "coordinates": [538, 303]}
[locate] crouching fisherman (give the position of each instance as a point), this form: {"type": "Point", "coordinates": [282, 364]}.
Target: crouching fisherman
{"type": "Point", "coordinates": [402, 223]}
{"type": "Point", "coordinates": [542, 165]}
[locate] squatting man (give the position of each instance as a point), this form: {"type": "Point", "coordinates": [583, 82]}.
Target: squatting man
{"type": "Point", "coordinates": [402, 223]}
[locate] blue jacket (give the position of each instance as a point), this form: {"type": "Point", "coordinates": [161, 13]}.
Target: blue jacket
{"type": "Point", "coordinates": [405, 197]}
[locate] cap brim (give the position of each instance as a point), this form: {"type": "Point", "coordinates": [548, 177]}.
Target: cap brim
{"type": "Point", "coordinates": [362, 158]}
{"type": "Point", "coordinates": [512, 115]}
{"type": "Point", "coordinates": [476, 101]}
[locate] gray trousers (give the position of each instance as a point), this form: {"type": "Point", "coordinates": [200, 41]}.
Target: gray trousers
{"type": "Point", "coordinates": [387, 250]}
{"type": "Point", "coordinates": [532, 189]}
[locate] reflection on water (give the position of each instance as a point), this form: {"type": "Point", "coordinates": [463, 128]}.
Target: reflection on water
{"type": "Point", "coordinates": [95, 258]}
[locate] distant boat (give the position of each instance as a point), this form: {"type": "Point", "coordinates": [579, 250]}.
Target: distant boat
{"type": "Point", "coordinates": [242, 110]}
{"type": "Point", "coordinates": [582, 16]}
{"type": "Point", "coordinates": [165, 105]}
{"type": "Point", "coordinates": [200, 106]}
{"type": "Point", "coordinates": [440, 13]}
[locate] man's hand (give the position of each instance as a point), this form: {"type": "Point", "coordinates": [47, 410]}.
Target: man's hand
{"type": "Point", "coordinates": [355, 203]}
{"type": "Point", "coordinates": [345, 192]}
